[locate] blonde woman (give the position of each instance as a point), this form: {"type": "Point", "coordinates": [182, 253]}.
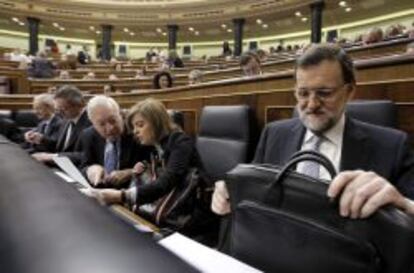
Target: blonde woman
{"type": "Point", "coordinates": [164, 176]}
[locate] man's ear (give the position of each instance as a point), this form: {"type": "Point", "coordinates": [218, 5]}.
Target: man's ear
{"type": "Point", "coordinates": [351, 89]}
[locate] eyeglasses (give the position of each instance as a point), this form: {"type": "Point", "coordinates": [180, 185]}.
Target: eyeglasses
{"type": "Point", "coordinates": [321, 94]}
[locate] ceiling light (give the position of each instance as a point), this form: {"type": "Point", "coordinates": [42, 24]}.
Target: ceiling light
{"type": "Point", "coordinates": [15, 19]}
{"type": "Point", "coordinates": [98, 32]}
{"type": "Point", "coordinates": [21, 23]}
{"type": "Point", "coordinates": [55, 24]}
{"type": "Point", "coordinates": [164, 33]}
{"type": "Point", "coordinates": [62, 28]}
{"type": "Point", "coordinates": [259, 21]}
{"type": "Point", "coordinates": [348, 9]}
{"type": "Point", "coordinates": [197, 33]}
{"type": "Point", "coordinates": [191, 29]}
{"type": "Point", "coordinates": [92, 28]}
{"type": "Point", "coordinates": [229, 30]}
{"type": "Point", "coordinates": [224, 26]}
{"type": "Point", "coordinates": [304, 19]}
{"type": "Point", "coordinates": [159, 30]}
{"type": "Point", "coordinates": [298, 14]}
{"type": "Point", "coordinates": [126, 30]}
{"type": "Point", "coordinates": [342, 3]}
{"type": "Point", "coordinates": [132, 33]}
{"type": "Point", "coordinates": [265, 26]}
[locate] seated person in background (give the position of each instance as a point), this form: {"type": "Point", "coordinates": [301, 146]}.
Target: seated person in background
{"type": "Point", "coordinates": [52, 89]}
{"type": "Point", "coordinates": [393, 30]}
{"type": "Point", "coordinates": [64, 75]}
{"type": "Point", "coordinates": [150, 54]}
{"type": "Point", "coordinates": [18, 56]}
{"type": "Point", "coordinates": [140, 73]}
{"type": "Point", "coordinates": [262, 55]}
{"type": "Point", "coordinates": [164, 66]}
{"type": "Point", "coordinates": [69, 51]}
{"type": "Point", "coordinates": [83, 56]}
{"type": "Point", "coordinates": [118, 67]}
{"type": "Point", "coordinates": [90, 76]}
{"type": "Point", "coordinates": [250, 64]}
{"type": "Point", "coordinates": [280, 49]}
{"type": "Point", "coordinates": [226, 49]}
{"type": "Point", "coordinates": [113, 77]}
{"type": "Point", "coordinates": [410, 48]}
{"type": "Point", "coordinates": [410, 31]}
{"type": "Point", "coordinates": [69, 103]}
{"type": "Point", "coordinates": [195, 76]}
{"type": "Point", "coordinates": [162, 80]}
{"type": "Point", "coordinates": [371, 160]}
{"type": "Point", "coordinates": [41, 67]}
{"type": "Point", "coordinates": [374, 35]}
{"type": "Point", "coordinates": [172, 159]}
{"type": "Point", "coordinates": [110, 151]}
{"type": "Point", "coordinates": [48, 127]}
{"type": "Point", "coordinates": [108, 89]}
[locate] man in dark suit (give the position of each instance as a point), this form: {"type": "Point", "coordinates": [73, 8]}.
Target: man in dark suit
{"type": "Point", "coordinates": [69, 103]}
{"type": "Point", "coordinates": [110, 152]}
{"type": "Point", "coordinates": [48, 127]}
{"type": "Point", "coordinates": [373, 161]}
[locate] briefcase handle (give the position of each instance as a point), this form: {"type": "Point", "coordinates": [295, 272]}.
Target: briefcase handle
{"type": "Point", "coordinates": [304, 155]}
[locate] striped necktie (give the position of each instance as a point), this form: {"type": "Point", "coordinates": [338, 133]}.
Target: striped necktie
{"type": "Point", "coordinates": [311, 168]}
{"type": "Point", "coordinates": [110, 157]}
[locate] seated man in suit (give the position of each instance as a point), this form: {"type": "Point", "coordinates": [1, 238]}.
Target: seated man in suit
{"type": "Point", "coordinates": [373, 161]}
{"type": "Point", "coordinates": [48, 127]}
{"type": "Point", "coordinates": [110, 151]}
{"type": "Point", "coordinates": [70, 104]}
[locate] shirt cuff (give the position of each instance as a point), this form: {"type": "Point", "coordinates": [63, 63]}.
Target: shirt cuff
{"type": "Point", "coordinates": [131, 195]}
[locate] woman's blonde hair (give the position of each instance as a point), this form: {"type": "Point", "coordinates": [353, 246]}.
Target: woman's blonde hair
{"type": "Point", "coordinates": [155, 113]}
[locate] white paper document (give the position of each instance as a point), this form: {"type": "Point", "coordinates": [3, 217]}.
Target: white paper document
{"type": "Point", "coordinates": [204, 258]}
{"type": "Point", "coordinates": [67, 166]}
{"type": "Point", "coordinates": [65, 177]}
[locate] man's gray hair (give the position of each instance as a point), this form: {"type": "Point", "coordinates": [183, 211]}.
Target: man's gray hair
{"type": "Point", "coordinates": [104, 101]}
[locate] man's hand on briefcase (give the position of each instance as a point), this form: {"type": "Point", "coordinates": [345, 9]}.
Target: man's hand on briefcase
{"type": "Point", "coordinates": [361, 193]}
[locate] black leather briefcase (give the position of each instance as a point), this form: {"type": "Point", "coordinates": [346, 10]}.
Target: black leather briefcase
{"type": "Point", "coordinates": [282, 221]}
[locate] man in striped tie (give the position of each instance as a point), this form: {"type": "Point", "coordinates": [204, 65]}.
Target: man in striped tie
{"type": "Point", "coordinates": [374, 163]}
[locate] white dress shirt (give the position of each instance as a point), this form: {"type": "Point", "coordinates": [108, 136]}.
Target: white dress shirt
{"type": "Point", "coordinates": [331, 146]}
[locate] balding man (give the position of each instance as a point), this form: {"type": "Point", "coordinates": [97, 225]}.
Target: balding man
{"type": "Point", "coordinates": [70, 104]}
{"type": "Point", "coordinates": [48, 127]}
{"type": "Point", "coordinates": [110, 152]}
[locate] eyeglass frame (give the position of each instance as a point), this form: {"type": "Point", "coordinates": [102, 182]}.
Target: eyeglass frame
{"type": "Point", "coordinates": [328, 93]}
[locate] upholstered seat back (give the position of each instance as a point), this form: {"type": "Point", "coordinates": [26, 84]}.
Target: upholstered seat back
{"type": "Point", "coordinates": [378, 112]}
{"type": "Point", "coordinates": [225, 138]}
{"type": "Point", "coordinates": [25, 119]}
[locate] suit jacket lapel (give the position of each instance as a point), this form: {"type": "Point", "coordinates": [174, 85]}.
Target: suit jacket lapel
{"type": "Point", "coordinates": [77, 129]}
{"type": "Point", "coordinates": [293, 142]}
{"type": "Point", "coordinates": [62, 137]}
{"type": "Point", "coordinates": [355, 150]}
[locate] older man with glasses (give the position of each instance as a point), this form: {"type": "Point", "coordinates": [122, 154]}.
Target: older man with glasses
{"type": "Point", "coordinates": [374, 163]}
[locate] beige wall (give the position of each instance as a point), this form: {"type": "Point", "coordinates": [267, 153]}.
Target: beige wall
{"type": "Point", "coordinates": [138, 50]}
{"type": "Point", "coordinates": [352, 32]}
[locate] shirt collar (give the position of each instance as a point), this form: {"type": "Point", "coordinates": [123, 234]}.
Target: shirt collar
{"type": "Point", "coordinates": [334, 135]}
{"type": "Point", "coordinates": [75, 120]}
